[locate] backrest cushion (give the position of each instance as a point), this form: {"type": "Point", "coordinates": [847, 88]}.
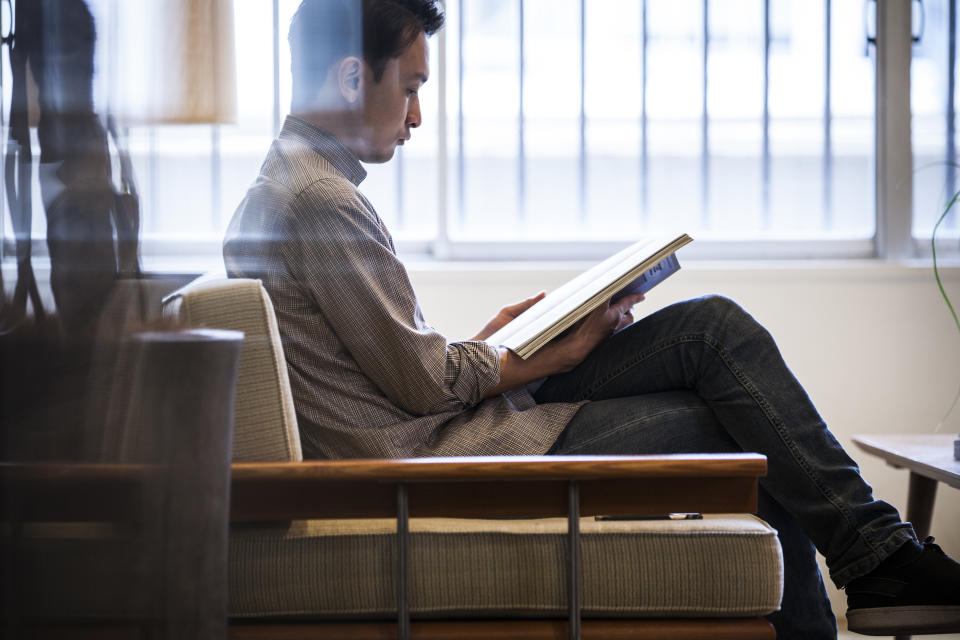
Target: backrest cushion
{"type": "Point", "coordinates": [265, 423]}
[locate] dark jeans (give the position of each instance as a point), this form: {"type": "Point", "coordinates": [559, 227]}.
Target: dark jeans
{"type": "Point", "coordinates": [704, 376]}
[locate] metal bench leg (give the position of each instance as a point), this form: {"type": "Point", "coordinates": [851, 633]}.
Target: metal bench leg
{"type": "Point", "coordinates": [573, 559]}
{"type": "Point", "coordinates": [403, 541]}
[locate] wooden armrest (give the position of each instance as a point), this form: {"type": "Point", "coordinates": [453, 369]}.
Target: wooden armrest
{"type": "Point", "coordinates": [496, 487]}
{"type": "Point", "coordinates": [460, 487]}
{"type": "Point", "coordinates": [498, 468]}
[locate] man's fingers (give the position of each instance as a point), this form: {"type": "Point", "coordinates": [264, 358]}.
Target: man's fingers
{"type": "Point", "coordinates": [626, 303]}
{"type": "Point", "coordinates": [523, 305]}
{"type": "Point", "coordinates": [529, 302]}
{"type": "Point", "coordinates": [625, 321]}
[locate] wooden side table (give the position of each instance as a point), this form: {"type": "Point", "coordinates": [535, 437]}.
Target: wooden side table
{"type": "Point", "coordinates": [929, 458]}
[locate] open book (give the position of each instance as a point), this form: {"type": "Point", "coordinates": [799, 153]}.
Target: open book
{"type": "Point", "coordinates": [636, 269]}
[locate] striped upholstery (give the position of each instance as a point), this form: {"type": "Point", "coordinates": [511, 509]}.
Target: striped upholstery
{"type": "Point", "coordinates": [265, 424]}
{"type": "Point", "coordinates": [721, 566]}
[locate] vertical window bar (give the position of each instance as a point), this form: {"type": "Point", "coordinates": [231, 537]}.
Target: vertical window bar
{"type": "Point", "coordinates": [216, 187]}
{"type": "Point", "coordinates": [583, 111]}
{"type": "Point", "coordinates": [522, 119]}
{"type": "Point", "coordinates": [150, 218]}
{"type": "Point", "coordinates": [893, 145]}
{"type": "Point", "coordinates": [765, 168]}
{"type": "Point", "coordinates": [644, 149]}
{"type": "Point", "coordinates": [461, 188]}
{"type": "Point", "coordinates": [442, 241]}
{"type": "Point", "coordinates": [951, 106]}
{"type": "Point", "coordinates": [704, 125]}
{"type": "Point", "coordinates": [276, 67]}
{"type": "Point", "coordinates": [827, 117]}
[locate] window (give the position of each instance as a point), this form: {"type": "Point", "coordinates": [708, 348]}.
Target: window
{"type": "Point", "coordinates": [558, 128]}
{"type": "Point", "coordinates": [934, 124]}
{"type": "Point", "coordinates": [713, 117]}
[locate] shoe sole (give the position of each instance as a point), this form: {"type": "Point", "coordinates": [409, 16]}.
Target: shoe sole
{"type": "Point", "coordinates": [889, 621]}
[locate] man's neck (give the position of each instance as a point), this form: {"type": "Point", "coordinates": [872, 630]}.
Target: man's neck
{"type": "Point", "coordinates": [336, 124]}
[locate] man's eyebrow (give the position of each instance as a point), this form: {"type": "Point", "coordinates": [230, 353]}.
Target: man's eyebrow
{"type": "Point", "coordinates": [419, 76]}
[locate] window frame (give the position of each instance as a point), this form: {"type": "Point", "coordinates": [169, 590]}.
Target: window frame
{"type": "Point", "coordinates": [892, 159]}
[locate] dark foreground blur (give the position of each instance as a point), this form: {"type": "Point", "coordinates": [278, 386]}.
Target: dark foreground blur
{"type": "Point", "coordinates": [114, 444]}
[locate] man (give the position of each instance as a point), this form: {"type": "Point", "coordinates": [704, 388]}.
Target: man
{"type": "Point", "coordinates": [371, 378]}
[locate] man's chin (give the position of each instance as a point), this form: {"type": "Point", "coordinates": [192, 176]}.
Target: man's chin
{"type": "Point", "coordinates": [379, 157]}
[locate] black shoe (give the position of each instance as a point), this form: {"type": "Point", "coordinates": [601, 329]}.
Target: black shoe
{"type": "Point", "coordinates": [915, 591]}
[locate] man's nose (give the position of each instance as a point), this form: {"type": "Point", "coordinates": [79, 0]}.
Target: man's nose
{"type": "Point", "coordinates": [413, 113]}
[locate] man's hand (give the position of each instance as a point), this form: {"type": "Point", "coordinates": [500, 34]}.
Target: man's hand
{"type": "Point", "coordinates": [563, 354]}
{"type": "Point", "coordinates": [507, 314]}
{"type": "Point", "coordinates": [598, 325]}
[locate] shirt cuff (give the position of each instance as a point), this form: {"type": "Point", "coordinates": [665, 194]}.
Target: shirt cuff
{"type": "Point", "coordinates": [473, 368]}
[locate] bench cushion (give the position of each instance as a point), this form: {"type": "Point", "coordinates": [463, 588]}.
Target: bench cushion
{"type": "Point", "coordinates": [719, 566]}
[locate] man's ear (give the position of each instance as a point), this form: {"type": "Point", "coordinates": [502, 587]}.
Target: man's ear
{"type": "Point", "coordinates": [350, 79]}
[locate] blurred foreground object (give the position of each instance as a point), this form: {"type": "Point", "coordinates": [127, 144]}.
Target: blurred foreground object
{"type": "Point", "coordinates": [173, 62]}
{"type": "Point", "coordinates": [158, 62]}
{"type": "Point", "coordinates": [146, 555]}
{"type": "Point", "coordinates": [46, 353]}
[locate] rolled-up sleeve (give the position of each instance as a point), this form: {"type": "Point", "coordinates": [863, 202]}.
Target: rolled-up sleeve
{"type": "Point", "coordinates": [342, 254]}
{"type": "Point", "coordinates": [473, 368]}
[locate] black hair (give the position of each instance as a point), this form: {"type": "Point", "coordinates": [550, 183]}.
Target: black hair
{"type": "Point", "coordinates": [325, 31]}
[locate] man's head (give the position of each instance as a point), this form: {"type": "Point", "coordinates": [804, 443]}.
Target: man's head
{"type": "Point", "coordinates": [357, 67]}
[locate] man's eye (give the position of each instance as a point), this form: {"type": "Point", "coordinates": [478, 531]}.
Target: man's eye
{"type": "Point", "coordinates": [411, 92]}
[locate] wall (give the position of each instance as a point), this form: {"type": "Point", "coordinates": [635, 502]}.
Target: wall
{"type": "Point", "coordinates": [873, 343]}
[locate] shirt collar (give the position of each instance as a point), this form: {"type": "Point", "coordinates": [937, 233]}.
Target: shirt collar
{"type": "Point", "coordinates": [325, 144]}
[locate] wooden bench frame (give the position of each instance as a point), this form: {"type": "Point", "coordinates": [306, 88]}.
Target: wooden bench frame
{"type": "Point", "coordinates": [433, 487]}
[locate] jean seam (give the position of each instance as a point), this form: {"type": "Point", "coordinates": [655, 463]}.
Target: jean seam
{"type": "Point", "coordinates": [628, 425]}
{"type": "Point", "coordinates": [841, 577]}
{"type": "Point", "coordinates": [716, 345]}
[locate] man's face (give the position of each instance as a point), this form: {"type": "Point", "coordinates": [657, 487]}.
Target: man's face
{"type": "Point", "coordinates": [391, 107]}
